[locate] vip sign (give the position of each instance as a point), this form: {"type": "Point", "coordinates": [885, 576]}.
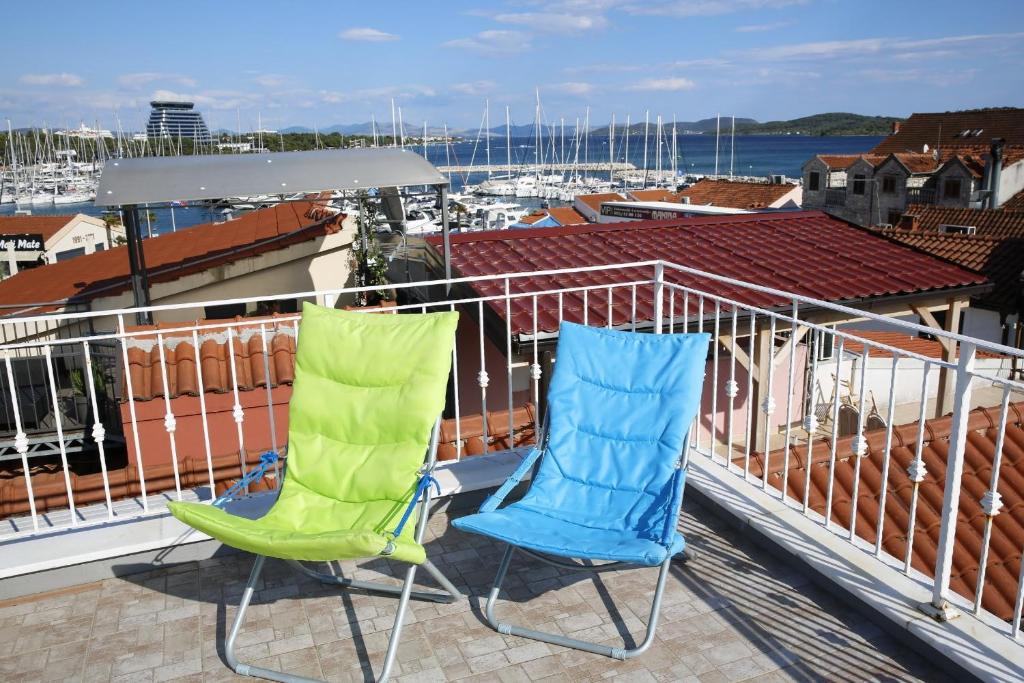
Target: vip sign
{"type": "Point", "coordinates": [21, 242]}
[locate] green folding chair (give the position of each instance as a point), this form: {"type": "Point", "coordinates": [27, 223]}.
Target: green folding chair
{"type": "Point", "coordinates": [368, 388]}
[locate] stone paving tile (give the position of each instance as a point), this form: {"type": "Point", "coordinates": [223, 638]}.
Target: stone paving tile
{"type": "Point", "coordinates": [734, 613]}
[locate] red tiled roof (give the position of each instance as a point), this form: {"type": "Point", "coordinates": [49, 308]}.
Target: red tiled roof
{"type": "Point", "coordinates": [917, 163]}
{"type": "Point", "coordinates": [1014, 203]}
{"type": "Point", "coordinates": [47, 226]}
{"type": "Point", "coordinates": [806, 252]}
{"type": "Point", "coordinates": [594, 201]}
{"type": "Point", "coordinates": [169, 257]}
{"type": "Point", "coordinates": [654, 195]}
{"type": "Point", "coordinates": [1004, 559]}
{"type": "Point", "coordinates": [735, 194]}
{"type": "Point", "coordinates": [946, 129]}
{"type": "Point", "coordinates": [1001, 259]}
{"type": "Point", "coordinates": [565, 215]}
{"type": "Point", "coordinates": [930, 348]}
{"type": "Point", "coordinates": [989, 222]}
{"type": "Point", "coordinates": [838, 162]}
{"type": "Point", "coordinates": [180, 357]}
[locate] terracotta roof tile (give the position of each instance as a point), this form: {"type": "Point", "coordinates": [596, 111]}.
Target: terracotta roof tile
{"type": "Point", "coordinates": [1014, 203]}
{"type": "Point", "coordinates": [929, 348]}
{"type": "Point", "coordinates": [180, 357]}
{"type": "Point", "coordinates": [838, 162]}
{"type": "Point", "coordinates": [947, 129]}
{"type": "Point", "coordinates": [1001, 577]}
{"type": "Point", "coordinates": [735, 194]}
{"type": "Point", "coordinates": [169, 257]}
{"type": "Point", "coordinates": [594, 201]}
{"type": "Point", "coordinates": [806, 252]}
{"type": "Point", "coordinates": [47, 226]}
{"type": "Point", "coordinates": [989, 222]}
{"type": "Point", "coordinates": [654, 195]}
{"type": "Point", "coordinates": [1000, 259]}
{"type": "Point", "coordinates": [565, 215]}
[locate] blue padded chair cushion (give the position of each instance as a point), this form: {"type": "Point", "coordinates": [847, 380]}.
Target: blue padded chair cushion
{"type": "Point", "coordinates": [609, 485]}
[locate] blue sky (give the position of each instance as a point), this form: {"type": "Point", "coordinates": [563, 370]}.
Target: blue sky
{"type": "Point", "coordinates": [323, 62]}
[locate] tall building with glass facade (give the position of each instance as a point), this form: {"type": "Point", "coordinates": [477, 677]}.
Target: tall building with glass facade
{"type": "Point", "coordinates": [176, 119]}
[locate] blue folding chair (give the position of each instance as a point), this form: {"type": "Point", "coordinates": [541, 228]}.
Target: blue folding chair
{"type": "Point", "coordinates": [609, 486]}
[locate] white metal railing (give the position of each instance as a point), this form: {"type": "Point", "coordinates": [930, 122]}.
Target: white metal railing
{"type": "Point", "coordinates": [761, 401]}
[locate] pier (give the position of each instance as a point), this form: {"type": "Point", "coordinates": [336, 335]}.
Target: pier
{"type": "Point", "coordinates": [531, 169]}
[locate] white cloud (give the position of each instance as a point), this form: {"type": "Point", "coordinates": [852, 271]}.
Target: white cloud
{"type": "Point", "coordinates": [61, 79]}
{"type": "Point", "coordinates": [473, 88]}
{"type": "Point", "coordinates": [664, 84]}
{"type": "Point", "coordinates": [367, 35]}
{"type": "Point", "coordinates": [762, 28]}
{"type": "Point", "coordinates": [706, 8]}
{"type": "Point", "coordinates": [494, 42]}
{"type": "Point", "coordinates": [143, 78]}
{"type": "Point", "coordinates": [270, 80]}
{"type": "Point", "coordinates": [554, 22]}
{"type": "Point", "coordinates": [215, 99]}
{"type": "Point", "coordinates": [573, 88]}
{"type": "Point", "coordinates": [403, 92]}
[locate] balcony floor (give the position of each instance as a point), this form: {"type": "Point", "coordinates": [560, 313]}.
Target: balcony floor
{"type": "Point", "coordinates": [733, 613]}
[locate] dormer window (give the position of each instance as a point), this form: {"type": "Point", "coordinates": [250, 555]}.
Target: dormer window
{"type": "Point", "coordinates": [951, 188]}
{"type": "Point", "coordinates": [814, 181]}
{"type": "Point", "coordinates": [859, 183]}
{"type": "Point", "coordinates": [889, 184]}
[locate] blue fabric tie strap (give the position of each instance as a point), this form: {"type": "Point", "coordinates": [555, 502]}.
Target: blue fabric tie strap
{"type": "Point", "coordinates": [425, 481]}
{"type": "Point", "coordinates": [267, 460]}
{"type": "Point", "coordinates": [495, 499]}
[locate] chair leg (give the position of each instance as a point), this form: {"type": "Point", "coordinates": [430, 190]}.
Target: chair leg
{"type": "Point", "coordinates": [555, 639]}
{"type": "Point", "coordinates": [404, 594]}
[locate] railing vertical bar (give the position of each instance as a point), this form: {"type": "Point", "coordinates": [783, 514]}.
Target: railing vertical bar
{"type": "Point", "coordinates": [714, 384]}
{"type": "Point", "coordinates": [793, 329]}
{"type": "Point", "coordinates": [170, 423]}
{"type": "Point", "coordinates": [482, 379]}
{"type": "Point", "coordinates": [836, 400]}
{"type": "Point", "coordinates": [700, 412]}
{"type": "Point", "coordinates": [917, 470]}
{"type": "Point", "coordinates": [811, 419]}
{"type": "Point", "coordinates": [731, 388]}
{"type": "Point", "coordinates": [1018, 605]}
{"type": "Point", "coordinates": [748, 429]}
{"type": "Point", "coordinates": [21, 442]}
{"type": "Point", "coordinates": [890, 416]}
{"type": "Point", "coordinates": [270, 398]}
{"type": "Point", "coordinates": [610, 309]}
{"type": "Point", "coordinates": [769, 408]}
{"type": "Point", "coordinates": [586, 306]}
{"type": "Point", "coordinates": [672, 310]}
{"type": "Point", "coordinates": [201, 389]}
{"type": "Point", "coordinates": [508, 357]}
{"type": "Point", "coordinates": [560, 309]}
{"type": "Point", "coordinates": [237, 413]}
{"type": "Point", "coordinates": [535, 367]}
{"type": "Point", "coordinates": [991, 502]}
{"type": "Point", "coordinates": [59, 423]}
{"type": "Point", "coordinates": [99, 434]}
{"type": "Point", "coordinates": [632, 313]}
{"type": "Point", "coordinates": [860, 446]}
{"type": "Point", "coordinates": [131, 412]}
{"type": "Point", "coordinates": [658, 292]}
{"type": "Point", "coordinates": [455, 390]}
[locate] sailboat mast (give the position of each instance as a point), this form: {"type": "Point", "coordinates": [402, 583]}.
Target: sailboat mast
{"type": "Point", "coordinates": [373, 128]}
{"type": "Point", "coordinates": [447, 154]}
{"type": "Point", "coordinates": [508, 142]}
{"type": "Point", "coordinates": [626, 156]}
{"type": "Point", "coordinates": [394, 128]}
{"type": "Point", "coordinates": [647, 141]}
{"type": "Point", "coordinates": [586, 143]}
{"type": "Point", "coordinates": [718, 132]}
{"type": "Point", "coordinates": [732, 147]}
{"type": "Point", "coordinates": [561, 156]}
{"type": "Point", "coordinates": [675, 154]}
{"type": "Point", "coordinates": [611, 150]}
{"type": "Point", "coordinates": [401, 129]}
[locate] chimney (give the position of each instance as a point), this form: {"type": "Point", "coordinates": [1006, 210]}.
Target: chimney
{"type": "Point", "coordinates": [993, 173]}
{"type": "Point", "coordinates": [895, 127]}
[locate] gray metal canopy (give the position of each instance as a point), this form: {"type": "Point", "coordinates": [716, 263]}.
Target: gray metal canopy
{"type": "Point", "coordinates": [155, 180]}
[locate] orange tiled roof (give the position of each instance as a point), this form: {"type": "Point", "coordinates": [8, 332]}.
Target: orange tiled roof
{"type": "Point", "coordinates": [47, 226]}
{"type": "Point", "coordinates": [838, 162]}
{"type": "Point", "coordinates": [947, 129]}
{"type": "Point", "coordinates": [989, 222]}
{"type": "Point", "coordinates": [1014, 203]}
{"type": "Point", "coordinates": [1001, 259]}
{"type": "Point", "coordinates": [1004, 559]}
{"type": "Point", "coordinates": [169, 257]}
{"type": "Point", "coordinates": [735, 194]}
{"type": "Point", "coordinates": [180, 357]}
{"type": "Point", "coordinates": [654, 195]}
{"type": "Point", "coordinates": [930, 348]}
{"type": "Point", "coordinates": [565, 215]}
{"type": "Point", "coordinates": [594, 201]}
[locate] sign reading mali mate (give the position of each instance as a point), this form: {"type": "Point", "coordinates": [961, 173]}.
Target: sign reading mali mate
{"type": "Point", "coordinates": [21, 242]}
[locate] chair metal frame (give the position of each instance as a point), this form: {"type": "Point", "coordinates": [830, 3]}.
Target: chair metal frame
{"type": "Point", "coordinates": [448, 594]}
{"type": "Point", "coordinates": [582, 564]}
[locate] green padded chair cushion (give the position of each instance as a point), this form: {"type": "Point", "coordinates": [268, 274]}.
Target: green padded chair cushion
{"type": "Point", "coordinates": [368, 388]}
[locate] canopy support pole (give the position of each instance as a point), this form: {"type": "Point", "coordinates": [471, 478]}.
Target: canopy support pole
{"type": "Point", "coordinates": [137, 263]}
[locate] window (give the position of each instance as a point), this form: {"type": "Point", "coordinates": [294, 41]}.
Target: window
{"type": "Point", "coordinates": [826, 345]}
{"type": "Point", "coordinates": [100, 246]}
{"type": "Point", "coordinates": [951, 188]}
{"type": "Point", "coordinates": [70, 253]}
{"type": "Point", "coordinates": [888, 184]}
{"type": "Point", "coordinates": [814, 181]}
{"type": "Point", "coordinates": [859, 183]}
{"type": "Point", "coordinates": [223, 311]}
{"type": "Point", "coordinates": [958, 229]}
{"type": "Point", "coordinates": [894, 217]}
{"type": "Point", "coordinates": [276, 306]}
